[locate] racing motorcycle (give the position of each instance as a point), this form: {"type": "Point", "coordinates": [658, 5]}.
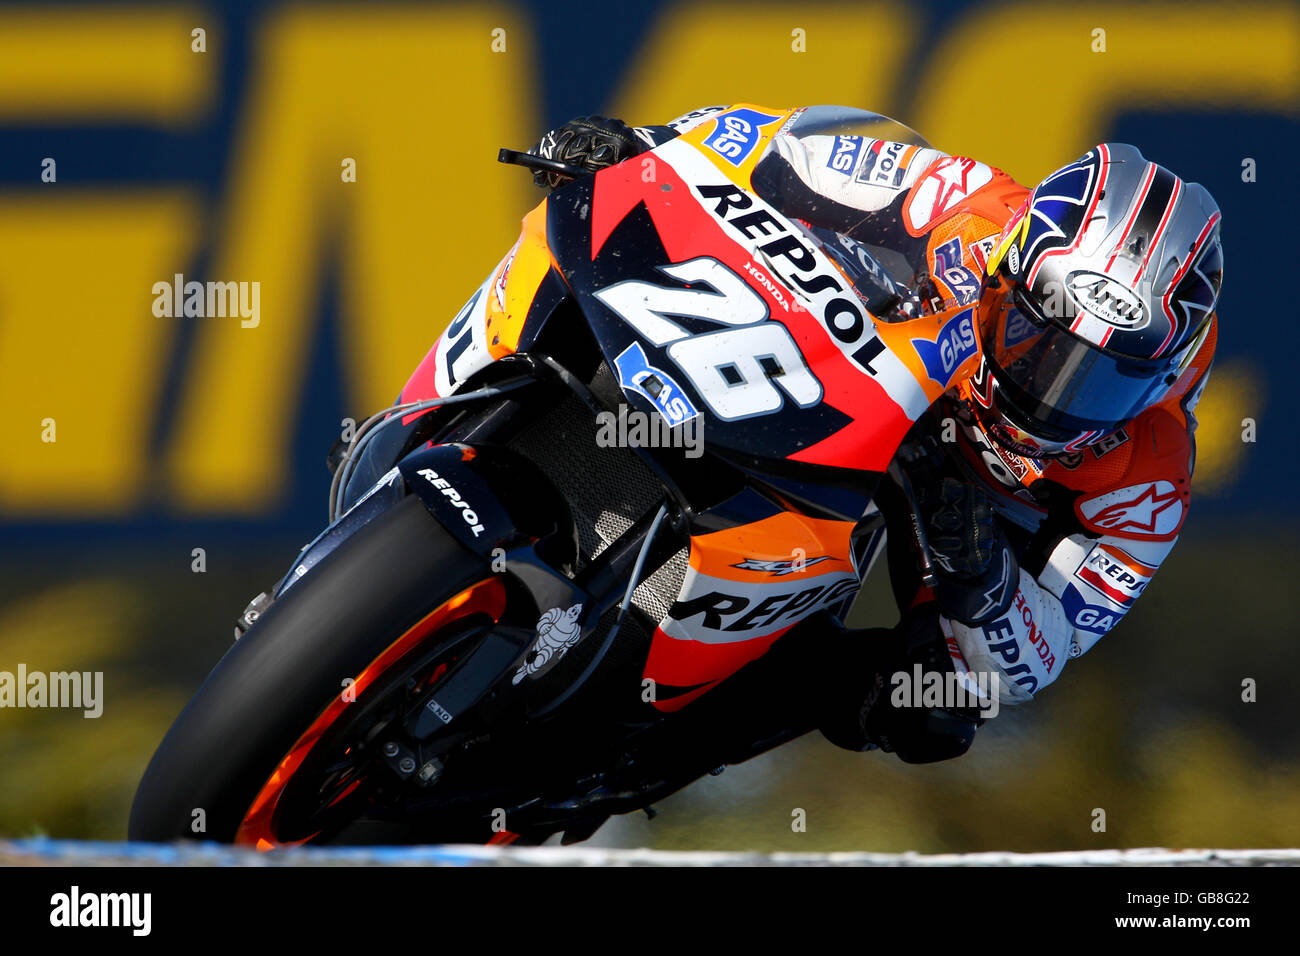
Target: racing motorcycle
{"type": "Point", "coordinates": [524, 615]}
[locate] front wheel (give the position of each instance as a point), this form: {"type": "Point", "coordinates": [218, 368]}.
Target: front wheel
{"type": "Point", "coordinates": [246, 761]}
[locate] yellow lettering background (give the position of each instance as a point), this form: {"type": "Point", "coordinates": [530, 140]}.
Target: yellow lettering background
{"type": "Point", "coordinates": [419, 99]}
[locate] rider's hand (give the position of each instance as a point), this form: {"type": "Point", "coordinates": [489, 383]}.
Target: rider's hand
{"type": "Point", "coordinates": [961, 526]}
{"type": "Point", "coordinates": [976, 570]}
{"type": "Point", "coordinates": [589, 142]}
{"type": "Point", "coordinates": [859, 711]}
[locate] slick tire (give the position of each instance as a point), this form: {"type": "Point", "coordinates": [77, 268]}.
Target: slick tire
{"type": "Point", "coordinates": [282, 674]}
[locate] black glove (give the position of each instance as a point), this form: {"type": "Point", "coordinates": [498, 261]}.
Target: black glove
{"type": "Point", "coordinates": [590, 142]}
{"type": "Point", "coordinates": [976, 570]}
{"type": "Point", "coordinates": [859, 713]}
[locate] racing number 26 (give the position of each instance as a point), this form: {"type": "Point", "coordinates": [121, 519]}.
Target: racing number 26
{"type": "Point", "coordinates": [741, 371]}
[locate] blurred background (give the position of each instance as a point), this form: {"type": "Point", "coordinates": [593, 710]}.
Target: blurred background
{"type": "Point", "coordinates": [208, 140]}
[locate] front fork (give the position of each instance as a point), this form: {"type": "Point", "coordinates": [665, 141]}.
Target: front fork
{"type": "Point", "coordinates": [502, 509]}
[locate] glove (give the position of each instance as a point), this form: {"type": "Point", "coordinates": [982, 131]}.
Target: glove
{"type": "Point", "coordinates": [865, 718]}
{"type": "Point", "coordinates": [977, 572]}
{"type": "Point", "coordinates": [961, 526]}
{"type": "Point", "coordinates": [591, 142]}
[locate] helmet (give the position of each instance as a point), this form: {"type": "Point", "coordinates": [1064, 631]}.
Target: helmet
{"type": "Point", "coordinates": [1098, 293]}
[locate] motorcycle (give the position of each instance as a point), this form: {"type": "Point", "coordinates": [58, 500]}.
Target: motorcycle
{"type": "Point", "coordinates": [587, 556]}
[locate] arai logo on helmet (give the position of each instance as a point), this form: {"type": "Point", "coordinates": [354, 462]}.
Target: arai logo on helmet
{"type": "Point", "coordinates": [1112, 302]}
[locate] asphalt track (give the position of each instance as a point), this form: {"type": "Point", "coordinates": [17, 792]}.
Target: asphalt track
{"type": "Point", "coordinates": [45, 852]}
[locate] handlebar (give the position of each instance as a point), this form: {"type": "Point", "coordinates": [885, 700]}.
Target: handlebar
{"type": "Point", "coordinates": [540, 163]}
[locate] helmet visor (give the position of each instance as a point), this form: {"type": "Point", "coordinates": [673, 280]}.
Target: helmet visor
{"type": "Point", "coordinates": [1060, 385]}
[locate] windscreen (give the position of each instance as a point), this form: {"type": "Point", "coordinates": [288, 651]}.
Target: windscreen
{"type": "Point", "coordinates": [893, 287]}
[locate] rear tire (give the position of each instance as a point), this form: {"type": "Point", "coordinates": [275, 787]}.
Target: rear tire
{"type": "Point", "coordinates": [291, 665]}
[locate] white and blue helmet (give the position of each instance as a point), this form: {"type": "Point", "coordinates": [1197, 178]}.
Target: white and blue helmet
{"type": "Point", "coordinates": [1099, 292]}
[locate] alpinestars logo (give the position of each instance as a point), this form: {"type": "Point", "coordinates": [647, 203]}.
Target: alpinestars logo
{"type": "Point", "coordinates": [996, 592]}
{"type": "Point", "coordinates": [779, 568]}
{"type": "Point", "coordinates": [1154, 509]}
{"type": "Point", "coordinates": [948, 182]}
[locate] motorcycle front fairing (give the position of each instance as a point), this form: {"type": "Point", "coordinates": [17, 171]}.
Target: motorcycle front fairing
{"type": "Point", "coordinates": [691, 279]}
{"type": "Point", "coordinates": [737, 308]}
{"type": "Point", "coordinates": [711, 306]}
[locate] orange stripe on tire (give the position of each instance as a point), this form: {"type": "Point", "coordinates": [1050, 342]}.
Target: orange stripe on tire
{"type": "Point", "coordinates": [258, 826]}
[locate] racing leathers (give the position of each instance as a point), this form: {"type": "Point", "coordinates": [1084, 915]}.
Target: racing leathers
{"type": "Point", "coordinates": [1004, 567]}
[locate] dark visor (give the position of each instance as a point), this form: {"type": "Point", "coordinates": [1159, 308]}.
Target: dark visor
{"type": "Point", "coordinates": [1064, 386]}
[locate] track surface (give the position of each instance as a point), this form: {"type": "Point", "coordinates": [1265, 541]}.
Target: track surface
{"type": "Point", "coordinates": [41, 852]}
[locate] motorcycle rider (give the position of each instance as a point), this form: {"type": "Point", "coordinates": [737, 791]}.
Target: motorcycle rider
{"type": "Point", "coordinates": [1050, 486]}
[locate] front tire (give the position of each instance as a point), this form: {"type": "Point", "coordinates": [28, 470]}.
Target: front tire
{"type": "Point", "coordinates": [400, 578]}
